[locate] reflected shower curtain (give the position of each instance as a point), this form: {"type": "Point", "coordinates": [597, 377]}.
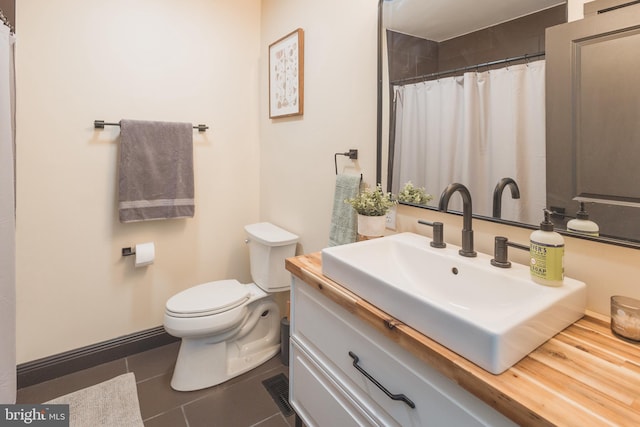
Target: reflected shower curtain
{"type": "Point", "coordinates": [7, 221]}
{"type": "Point", "coordinates": [475, 129]}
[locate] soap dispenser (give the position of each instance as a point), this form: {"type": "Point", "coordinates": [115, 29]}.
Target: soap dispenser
{"type": "Point", "coordinates": [581, 224]}
{"type": "Point", "coordinates": [547, 254]}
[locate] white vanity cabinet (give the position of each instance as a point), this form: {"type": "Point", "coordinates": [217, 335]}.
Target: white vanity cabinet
{"type": "Point", "coordinates": [343, 372]}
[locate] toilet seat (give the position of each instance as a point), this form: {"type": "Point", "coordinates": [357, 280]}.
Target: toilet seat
{"type": "Point", "coordinates": [208, 299]}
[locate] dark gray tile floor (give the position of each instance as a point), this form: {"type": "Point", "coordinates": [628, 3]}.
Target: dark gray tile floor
{"type": "Point", "coordinates": [240, 402]}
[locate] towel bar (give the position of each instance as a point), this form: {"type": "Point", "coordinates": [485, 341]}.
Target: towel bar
{"type": "Point", "coordinates": [100, 124]}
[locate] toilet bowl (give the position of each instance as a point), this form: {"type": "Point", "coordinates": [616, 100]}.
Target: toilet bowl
{"type": "Point", "coordinates": [228, 328]}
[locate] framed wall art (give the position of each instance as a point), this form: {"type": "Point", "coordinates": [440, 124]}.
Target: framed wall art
{"type": "Point", "coordinates": [286, 75]}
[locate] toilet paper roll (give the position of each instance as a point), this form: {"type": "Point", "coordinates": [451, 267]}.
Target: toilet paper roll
{"type": "Point", "coordinates": [145, 254]}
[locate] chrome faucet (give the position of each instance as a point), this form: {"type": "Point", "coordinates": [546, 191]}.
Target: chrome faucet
{"type": "Point", "coordinates": [467, 231]}
{"type": "Point", "coordinates": [497, 194]}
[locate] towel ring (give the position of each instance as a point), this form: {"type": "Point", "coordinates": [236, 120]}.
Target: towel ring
{"type": "Point", "coordinates": [352, 154]}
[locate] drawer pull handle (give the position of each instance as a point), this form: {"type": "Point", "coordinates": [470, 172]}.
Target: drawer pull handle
{"type": "Point", "coordinates": [402, 397]}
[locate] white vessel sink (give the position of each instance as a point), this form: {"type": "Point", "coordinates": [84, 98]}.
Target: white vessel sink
{"type": "Point", "coordinates": [491, 316]}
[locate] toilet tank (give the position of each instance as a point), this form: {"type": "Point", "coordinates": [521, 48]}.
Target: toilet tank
{"type": "Point", "coordinates": [269, 246]}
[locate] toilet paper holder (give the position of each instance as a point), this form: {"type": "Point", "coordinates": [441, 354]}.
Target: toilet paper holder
{"type": "Point", "coordinates": [144, 253]}
{"type": "Point", "coordinates": [128, 251]}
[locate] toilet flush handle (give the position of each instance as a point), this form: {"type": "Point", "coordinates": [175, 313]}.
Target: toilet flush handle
{"type": "Point", "coordinates": [246, 241]}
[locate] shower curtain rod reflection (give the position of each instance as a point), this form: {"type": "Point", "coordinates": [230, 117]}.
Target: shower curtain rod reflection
{"type": "Point", "coordinates": [100, 124]}
{"type": "Point", "coordinates": [417, 79]}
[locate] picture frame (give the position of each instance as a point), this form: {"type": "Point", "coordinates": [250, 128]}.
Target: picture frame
{"type": "Point", "coordinates": [286, 75]}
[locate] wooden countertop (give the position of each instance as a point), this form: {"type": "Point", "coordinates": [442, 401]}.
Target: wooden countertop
{"type": "Point", "coordinates": [584, 376]}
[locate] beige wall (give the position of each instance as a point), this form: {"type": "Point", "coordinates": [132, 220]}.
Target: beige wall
{"type": "Point", "coordinates": [81, 60]}
{"type": "Point", "coordinates": [297, 177]}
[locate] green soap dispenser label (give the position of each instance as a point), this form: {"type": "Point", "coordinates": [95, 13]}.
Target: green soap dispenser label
{"type": "Point", "coordinates": [547, 261]}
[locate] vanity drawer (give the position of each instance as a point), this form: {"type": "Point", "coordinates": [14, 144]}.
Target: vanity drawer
{"type": "Point", "coordinates": [338, 337]}
{"type": "Point", "coordinates": [318, 399]}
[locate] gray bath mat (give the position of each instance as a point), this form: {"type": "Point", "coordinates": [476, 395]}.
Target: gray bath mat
{"type": "Point", "coordinates": [112, 403]}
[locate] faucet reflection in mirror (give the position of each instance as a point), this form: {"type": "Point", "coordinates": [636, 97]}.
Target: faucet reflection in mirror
{"type": "Point", "coordinates": [497, 194]}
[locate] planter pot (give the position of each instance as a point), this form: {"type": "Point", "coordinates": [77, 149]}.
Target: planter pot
{"type": "Point", "coordinates": [371, 226]}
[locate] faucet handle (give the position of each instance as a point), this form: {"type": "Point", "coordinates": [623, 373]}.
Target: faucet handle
{"type": "Point", "coordinates": [500, 253]}
{"type": "Point", "coordinates": [438, 233]}
{"type": "Point", "coordinates": [501, 249]}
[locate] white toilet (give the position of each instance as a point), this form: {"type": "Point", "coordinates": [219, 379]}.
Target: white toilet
{"type": "Point", "coordinates": [228, 328]}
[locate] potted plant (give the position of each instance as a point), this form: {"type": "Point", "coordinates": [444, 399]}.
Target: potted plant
{"type": "Point", "coordinates": [372, 206]}
{"type": "Point", "coordinates": [414, 195]}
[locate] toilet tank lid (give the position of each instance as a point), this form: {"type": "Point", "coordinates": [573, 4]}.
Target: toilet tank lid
{"type": "Point", "coordinates": [270, 235]}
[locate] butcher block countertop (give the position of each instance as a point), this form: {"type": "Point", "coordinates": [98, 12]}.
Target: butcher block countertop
{"type": "Point", "coordinates": [584, 376]}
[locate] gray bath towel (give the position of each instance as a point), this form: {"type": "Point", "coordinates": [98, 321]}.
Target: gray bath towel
{"type": "Point", "coordinates": [344, 220]}
{"type": "Point", "coordinates": [155, 170]}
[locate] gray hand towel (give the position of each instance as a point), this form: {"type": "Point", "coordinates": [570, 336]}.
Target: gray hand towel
{"type": "Point", "coordinates": [155, 170]}
{"type": "Point", "coordinates": [344, 220]}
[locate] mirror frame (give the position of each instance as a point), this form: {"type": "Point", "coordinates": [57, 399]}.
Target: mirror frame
{"type": "Point", "coordinates": [380, 146]}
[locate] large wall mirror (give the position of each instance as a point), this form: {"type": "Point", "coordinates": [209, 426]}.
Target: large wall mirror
{"type": "Point", "coordinates": [465, 97]}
